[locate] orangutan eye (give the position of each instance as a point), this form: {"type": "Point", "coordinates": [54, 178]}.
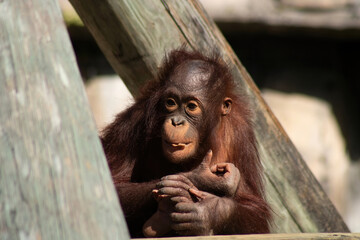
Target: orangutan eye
{"type": "Point", "coordinates": [170, 104]}
{"type": "Point", "coordinates": [192, 107]}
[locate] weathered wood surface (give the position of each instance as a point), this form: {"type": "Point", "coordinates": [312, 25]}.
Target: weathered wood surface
{"type": "Point", "coordinates": [297, 236]}
{"type": "Point", "coordinates": [135, 35]}
{"type": "Point", "coordinates": [54, 180]}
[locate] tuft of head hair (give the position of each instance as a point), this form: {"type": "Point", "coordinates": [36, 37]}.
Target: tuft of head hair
{"type": "Point", "coordinates": [220, 78]}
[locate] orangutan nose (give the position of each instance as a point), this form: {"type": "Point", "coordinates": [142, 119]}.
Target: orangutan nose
{"type": "Point", "coordinates": [177, 121]}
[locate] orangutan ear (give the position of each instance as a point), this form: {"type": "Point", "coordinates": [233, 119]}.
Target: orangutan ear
{"type": "Point", "coordinates": [226, 106]}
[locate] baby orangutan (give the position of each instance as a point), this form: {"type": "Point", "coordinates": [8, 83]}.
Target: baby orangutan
{"type": "Point", "coordinates": [184, 158]}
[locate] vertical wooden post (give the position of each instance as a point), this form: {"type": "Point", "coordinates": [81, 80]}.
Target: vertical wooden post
{"type": "Point", "coordinates": [134, 36]}
{"type": "Point", "coordinates": [54, 180]}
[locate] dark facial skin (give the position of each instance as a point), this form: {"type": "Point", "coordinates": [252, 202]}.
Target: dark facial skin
{"type": "Point", "coordinates": [185, 104]}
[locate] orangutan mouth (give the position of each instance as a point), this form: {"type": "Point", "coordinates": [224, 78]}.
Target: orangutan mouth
{"type": "Point", "coordinates": [178, 145]}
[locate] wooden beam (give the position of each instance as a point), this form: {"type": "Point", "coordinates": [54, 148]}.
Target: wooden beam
{"type": "Point", "coordinates": [297, 236]}
{"type": "Point", "coordinates": [54, 180]}
{"type": "Point", "coordinates": [134, 36]}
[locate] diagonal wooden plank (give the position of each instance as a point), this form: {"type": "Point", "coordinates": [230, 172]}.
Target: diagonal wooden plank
{"type": "Point", "coordinates": [54, 179]}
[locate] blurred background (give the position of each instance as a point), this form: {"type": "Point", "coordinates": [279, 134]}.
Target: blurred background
{"type": "Point", "coordinates": [304, 55]}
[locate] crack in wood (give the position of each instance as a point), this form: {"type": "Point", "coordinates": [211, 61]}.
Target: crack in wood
{"type": "Point", "coordinates": [176, 23]}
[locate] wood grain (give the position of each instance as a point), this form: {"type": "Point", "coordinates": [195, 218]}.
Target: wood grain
{"type": "Point", "coordinates": [54, 180]}
{"type": "Point", "coordinates": [297, 236]}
